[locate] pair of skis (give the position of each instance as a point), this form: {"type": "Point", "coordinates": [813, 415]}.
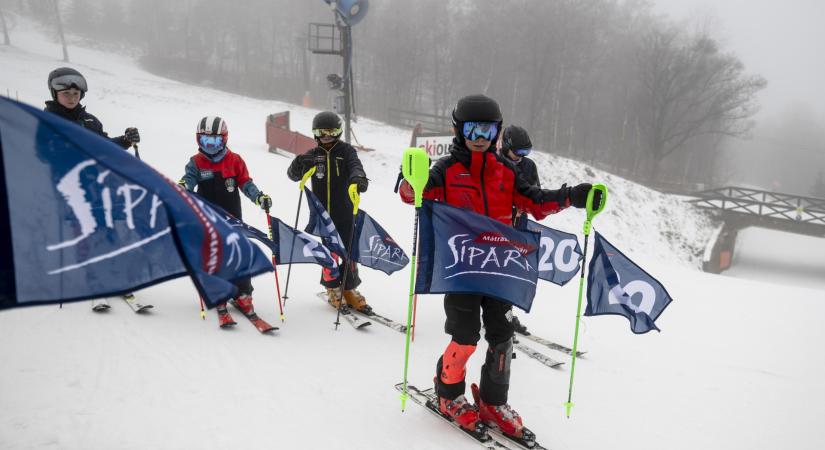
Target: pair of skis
{"type": "Point", "coordinates": [226, 321]}
{"type": "Point", "coordinates": [102, 305]}
{"type": "Point", "coordinates": [488, 437]}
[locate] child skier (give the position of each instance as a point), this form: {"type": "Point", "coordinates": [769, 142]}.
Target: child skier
{"type": "Point", "coordinates": [474, 177]}
{"type": "Point", "coordinates": [67, 87]}
{"type": "Point", "coordinates": [337, 167]}
{"type": "Point", "coordinates": [219, 174]}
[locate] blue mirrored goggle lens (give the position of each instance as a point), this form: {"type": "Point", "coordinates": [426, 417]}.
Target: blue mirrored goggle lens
{"type": "Point", "coordinates": [65, 82]}
{"type": "Point", "coordinates": [522, 151]}
{"type": "Point", "coordinates": [475, 130]}
{"type": "Point", "coordinates": [210, 141]}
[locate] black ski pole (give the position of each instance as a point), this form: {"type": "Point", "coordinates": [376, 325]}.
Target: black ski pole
{"type": "Point", "coordinates": [292, 247]}
{"type": "Point", "coordinates": [353, 195]}
{"type": "Point", "coordinates": [137, 152]}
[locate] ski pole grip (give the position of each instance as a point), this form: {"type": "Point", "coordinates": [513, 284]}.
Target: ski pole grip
{"type": "Point", "coordinates": [415, 166]}
{"type": "Point", "coordinates": [594, 209]}
{"type": "Point", "coordinates": [354, 197]}
{"type": "Point", "coordinates": [306, 176]}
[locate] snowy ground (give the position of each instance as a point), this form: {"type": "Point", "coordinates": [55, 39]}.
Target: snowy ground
{"type": "Point", "coordinates": [737, 365]}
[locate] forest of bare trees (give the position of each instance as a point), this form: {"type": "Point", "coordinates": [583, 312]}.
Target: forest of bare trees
{"type": "Point", "coordinates": [603, 81]}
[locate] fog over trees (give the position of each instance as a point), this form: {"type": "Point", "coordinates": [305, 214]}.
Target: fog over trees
{"type": "Point", "coordinates": [603, 81]}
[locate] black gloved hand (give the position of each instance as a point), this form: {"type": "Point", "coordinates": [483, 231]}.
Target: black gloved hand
{"type": "Point", "coordinates": [361, 182]}
{"type": "Point", "coordinates": [578, 195]}
{"type": "Point", "coordinates": [132, 136]}
{"type": "Point", "coordinates": [264, 201]}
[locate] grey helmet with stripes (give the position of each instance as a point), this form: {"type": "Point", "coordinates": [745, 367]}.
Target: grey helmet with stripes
{"type": "Point", "coordinates": [212, 135]}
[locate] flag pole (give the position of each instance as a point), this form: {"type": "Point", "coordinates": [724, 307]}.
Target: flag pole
{"type": "Point", "coordinates": [592, 211]}
{"type": "Point", "coordinates": [415, 166]}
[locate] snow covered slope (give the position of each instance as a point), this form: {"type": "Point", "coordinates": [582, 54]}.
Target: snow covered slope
{"type": "Point", "coordinates": [736, 365]}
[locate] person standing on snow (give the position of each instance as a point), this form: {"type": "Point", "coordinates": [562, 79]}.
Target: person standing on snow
{"type": "Point", "coordinates": [67, 87]}
{"type": "Point", "coordinates": [336, 168]}
{"type": "Point", "coordinates": [474, 177]}
{"type": "Point", "coordinates": [219, 175]}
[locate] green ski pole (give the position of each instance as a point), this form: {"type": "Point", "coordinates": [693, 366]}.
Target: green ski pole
{"type": "Point", "coordinates": [592, 211]}
{"type": "Point", "coordinates": [415, 166]}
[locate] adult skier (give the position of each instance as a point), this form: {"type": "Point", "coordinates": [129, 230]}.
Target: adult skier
{"type": "Point", "coordinates": [473, 176]}
{"type": "Point", "coordinates": [67, 87]}
{"type": "Point", "coordinates": [219, 175]}
{"type": "Point", "coordinates": [336, 168]}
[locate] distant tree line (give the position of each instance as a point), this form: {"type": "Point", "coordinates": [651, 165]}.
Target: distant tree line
{"type": "Point", "coordinates": [603, 81]}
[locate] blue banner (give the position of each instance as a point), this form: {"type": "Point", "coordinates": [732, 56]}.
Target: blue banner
{"type": "Point", "coordinates": [86, 219]}
{"type": "Point", "coordinates": [559, 255]}
{"type": "Point", "coordinates": [375, 248]}
{"type": "Point", "coordinates": [288, 244]}
{"type": "Point", "coordinates": [616, 285]}
{"type": "Point", "coordinates": [464, 252]}
{"type": "Point", "coordinates": [320, 224]}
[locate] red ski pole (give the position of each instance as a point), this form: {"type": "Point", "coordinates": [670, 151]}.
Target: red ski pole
{"type": "Point", "coordinates": [275, 268]}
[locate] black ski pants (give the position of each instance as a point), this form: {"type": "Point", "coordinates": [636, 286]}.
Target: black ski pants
{"type": "Point", "coordinates": [463, 324]}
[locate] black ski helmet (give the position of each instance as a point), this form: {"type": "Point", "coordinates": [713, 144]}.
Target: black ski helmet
{"type": "Point", "coordinates": [515, 137]}
{"type": "Point", "coordinates": [475, 108]}
{"type": "Point", "coordinates": [326, 120]}
{"type": "Point", "coordinates": [64, 78]}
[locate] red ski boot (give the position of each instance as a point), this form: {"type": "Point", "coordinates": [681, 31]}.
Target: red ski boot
{"type": "Point", "coordinates": [501, 417]}
{"type": "Point", "coordinates": [462, 412]}
{"type": "Point", "coordinates": [244, 304]}
{"type": "Point", "coordinates": [224, 318]}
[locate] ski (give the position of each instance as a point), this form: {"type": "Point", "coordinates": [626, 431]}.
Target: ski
{"type": "Point", "coordinates": [356, 321]}
{"type": "Point", "coordinates": [549, 344]}
{"type": "Point", "coordinates": [387, 322]}
{"type": "Point", "coordinates": [427, 399]}
{"type": "Point", "coordinates": [538, 356]}
{"type": "Point", "coordinates": [526, 442]}
{"type": "Point", "coordinates": [100, 305]}
{"type": "Point", "coordinates": [135, 305]}
{"type": "Point", "coordinates": [260, 324]}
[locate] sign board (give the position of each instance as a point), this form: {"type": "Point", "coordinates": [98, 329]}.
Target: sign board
{"type": "Point", "coordinates": [435, 146]}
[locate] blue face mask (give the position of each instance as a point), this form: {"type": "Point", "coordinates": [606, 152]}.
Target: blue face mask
{"type": "Point", "coordinates": [211, 144]}
{"type": "Point", "coordinates": [475, 130]}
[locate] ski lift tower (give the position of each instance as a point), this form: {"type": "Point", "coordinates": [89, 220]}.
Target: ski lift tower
{"type": "Point", "coordinates": [336, 39]}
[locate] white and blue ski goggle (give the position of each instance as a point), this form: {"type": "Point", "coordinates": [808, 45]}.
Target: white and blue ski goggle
{"type": "Point", "coordinates": [484, 130]}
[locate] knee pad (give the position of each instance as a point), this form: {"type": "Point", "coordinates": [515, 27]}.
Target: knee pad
{"type": "Point", "coordinates": [453, 362]}
{"type": "Point", "coordinates": [497, 364]}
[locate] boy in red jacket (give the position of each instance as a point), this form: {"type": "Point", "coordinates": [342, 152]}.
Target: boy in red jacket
{"type": "Point", "coordinates": [219, 174]}
{"type": "Point", "coordinates": [474, 177]}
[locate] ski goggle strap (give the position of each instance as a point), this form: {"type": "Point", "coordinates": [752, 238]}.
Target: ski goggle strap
{"type": "Point", "coordinates": [521, 152]}
{"type": "Point", "coordinates": [69, 81]}
{"type": "Point", "coordinates": [330, 132]}
{"type": "Point", "coordinates": [475, 130]}
{"type": "Point", "coordinates": [211, 142]}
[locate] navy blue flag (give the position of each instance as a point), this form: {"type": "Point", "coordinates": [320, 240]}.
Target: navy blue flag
{"type": "Point", "coordinates": [298, 247]}
{"type": "Point", "coordinates": [375, 248]}
{"type": "Point", "coordinates": [465, 252]}
{"type": "Point", "coordinates": [616, 285]}
{"type": "Point", "coordinates": [320, 224]}
{"type": "Point", "coordinates": [559, 254]}
{"type": "Point", "coordinates": [80, 218]}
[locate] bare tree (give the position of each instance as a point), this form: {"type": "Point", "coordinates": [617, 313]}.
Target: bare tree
{"type": "Point", "coordinates": [687, 89]}
{"type": "Point", "coordinates": [6, 39]}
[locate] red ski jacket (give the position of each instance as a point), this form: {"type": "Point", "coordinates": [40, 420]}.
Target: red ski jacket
{"type": "Point", "coordinates": [487, 184]}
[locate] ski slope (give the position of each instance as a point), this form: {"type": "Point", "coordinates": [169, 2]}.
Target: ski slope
{"type": "Point", "coordinates": [737, 365]}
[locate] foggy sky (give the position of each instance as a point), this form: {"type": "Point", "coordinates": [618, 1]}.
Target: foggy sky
{"type": "Point", "coordinates": [782, 40]}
